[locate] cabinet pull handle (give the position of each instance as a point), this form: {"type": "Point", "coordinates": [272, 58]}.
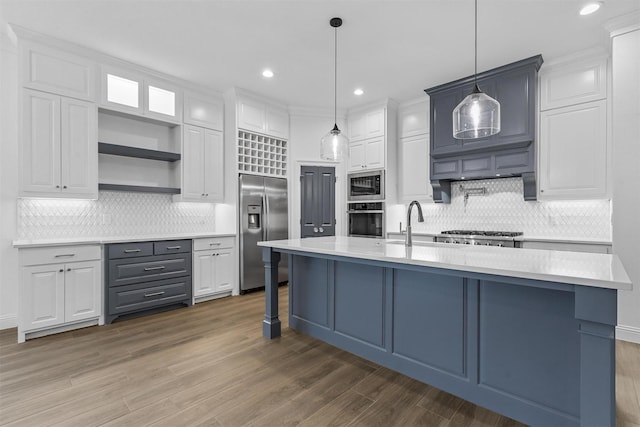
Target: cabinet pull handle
{"type": "Point", "coordinates": [154, 294]}
{"type": "Point", "coordinates": [162, 267]}
{"type": "Point", "coordinates": [215, 244]}
{"type": "Point", "coordinates": [174, 247]}
{"type": "Point", "coordinates": [64, 255]}
{"type": "Point", "coordinates": [129, 251]}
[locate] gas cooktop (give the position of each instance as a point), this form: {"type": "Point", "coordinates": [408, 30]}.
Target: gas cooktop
{"type": "Point", "coordinates": [482, 233]}
{"type": "Point", "coordinates": [479, 237]}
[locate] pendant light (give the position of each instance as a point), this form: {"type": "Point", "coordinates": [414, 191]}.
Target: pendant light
{"type": "Point", "coordinates": [478, 115]}
{"type": "Point", "coordinates": [332, 145]}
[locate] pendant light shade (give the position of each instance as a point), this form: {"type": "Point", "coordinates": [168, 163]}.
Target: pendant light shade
{"type": "Point", "coordinates": [478, 115]}
{"type": "Point", "coordinates": [333, 145]}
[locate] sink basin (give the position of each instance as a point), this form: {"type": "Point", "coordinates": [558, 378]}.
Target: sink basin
{"type": "Point", "coordinates": [401, 242]}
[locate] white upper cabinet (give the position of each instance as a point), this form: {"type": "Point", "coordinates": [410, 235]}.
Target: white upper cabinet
{"type": "Point", "coordinates": [59, 72]}
{"type": "Point", "coordinates": [277, 123]}
{"type": "Point", "coordinates": [203, 111]}
{"type": "Point", "coordinates": [413, 143]}
{"type": "Point", "coordinates": [261, 117]}
{"type": "Point", "coordinates": [59, 153]}
{"type": "Point", "coordinates": [574, 150]}
{"type": "Point", "coordinates": [413, 119]}
{"type": "Point", "coordinates": [202, 165]}
{"type": "Point", "coordinates": [135, 93]}
{"type": "Point", "coordinates": [368, 124]}
{"type": "Point", "coordinates": [569, 84]}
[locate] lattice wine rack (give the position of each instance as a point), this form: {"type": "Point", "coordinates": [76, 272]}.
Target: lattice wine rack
{"type": "Point", "coordinates": [261, 155]}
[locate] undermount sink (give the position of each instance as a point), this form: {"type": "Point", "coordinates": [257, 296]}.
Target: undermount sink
{"type": "Point", "coordinates": [401, 242]}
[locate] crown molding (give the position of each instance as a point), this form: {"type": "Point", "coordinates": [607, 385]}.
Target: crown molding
{"type": "Point", "coordinates": [623, 24]}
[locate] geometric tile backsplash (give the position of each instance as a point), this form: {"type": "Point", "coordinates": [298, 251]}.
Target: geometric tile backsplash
{"type": "Point", "coordinates": [503, 208]}
{"type": "Point", "coordinates": [114, 214]}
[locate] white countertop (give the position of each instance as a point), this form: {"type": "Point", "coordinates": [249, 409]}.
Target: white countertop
{"type": "Point", "coordinates": [578, 268]}
{"type": "Point", "coordinates": [25, 243]}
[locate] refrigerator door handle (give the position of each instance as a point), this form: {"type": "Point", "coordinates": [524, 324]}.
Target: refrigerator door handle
{"type": "Point", "coordinates": [265, 217]}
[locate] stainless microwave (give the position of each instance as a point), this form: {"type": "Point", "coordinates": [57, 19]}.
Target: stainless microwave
{"type": "Point", "coordinates": [365, 186]}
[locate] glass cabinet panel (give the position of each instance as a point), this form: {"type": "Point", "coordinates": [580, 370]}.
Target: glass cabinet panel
{"type": "Point", "coordinates": [162, 101]}
{"type": "Point", "coordinates": [122, 91]}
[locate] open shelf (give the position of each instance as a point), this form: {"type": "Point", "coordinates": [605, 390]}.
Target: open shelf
{"type": "Point", "coordinates": [140, 153]}
{"type": "Point", "coordinates": [139, 188]}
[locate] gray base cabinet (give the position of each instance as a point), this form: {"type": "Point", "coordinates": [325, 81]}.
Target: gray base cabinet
{"type": "Point", "coordinates": [145, 276]}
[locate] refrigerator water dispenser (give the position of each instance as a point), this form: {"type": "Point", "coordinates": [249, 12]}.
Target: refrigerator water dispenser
{"type": "Point", "coordinates": [254, 216]}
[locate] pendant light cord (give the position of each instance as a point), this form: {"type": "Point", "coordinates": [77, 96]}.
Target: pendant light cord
{"type": "Point", "coordinates": [475, 29]}
{"type": "Point", "coordinates": [335, 77]}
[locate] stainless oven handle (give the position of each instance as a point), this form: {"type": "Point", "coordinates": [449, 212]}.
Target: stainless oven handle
{"type": "Point", "coordinates": [354, 212]}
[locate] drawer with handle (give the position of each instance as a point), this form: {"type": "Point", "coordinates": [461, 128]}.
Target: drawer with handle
{"type": "Point", "coordinates": [129, 271]}
{"type": "Point", "coordinates": [129, 250]}
{"type": "Point", "coordinates": [171, 247]}
{"type": "Point", "coordinates": [59, 254]}
{"type": "Point", "coordinates": [142, 296]}
{"type": "Point", "coordinates": [207, 243]}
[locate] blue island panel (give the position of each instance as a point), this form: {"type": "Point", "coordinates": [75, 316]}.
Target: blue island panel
{"type": "Point", "coordinates": [429, 319]}
{"type": "Point", "coordinates": [359, 302]}
{"type": "Point", "coordinates": [310, 300]}
{"type": "Point", "coordinates": [529, 345]}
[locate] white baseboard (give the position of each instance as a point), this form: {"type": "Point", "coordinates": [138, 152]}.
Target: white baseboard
{"type": "Point", "coordinates": [8, 321]}
{"type": "Point", "coordinates": [628, 333]}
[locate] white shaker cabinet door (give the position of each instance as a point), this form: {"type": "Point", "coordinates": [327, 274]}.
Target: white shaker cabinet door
{"type": "Point", "coordinates": [79, 156]}
{"type": "Point", "coordinates": [213, 159]}
{"type": "Point", "coordinates": [40, 148]}
{"type": "Point", "coordinates": [374, 153]}
{"type": "Point", "coordinates": [356, 155]}
{"type": "Point", "coordinates": [203, 273]}
{"type": "Point", "coordinates": [193, 163]}
{"type": "Point", "coordinates": [277, 122]}
{"type": "Point", "coordinates": [252, 116]}
{"type": "Point", "coordinates": [225, 268]}
{"type": "Point", "coordinates": [574, 152]}
{"type": "Point", "coordinates": [414, 169]}
{"type": "Point", "coordinates": [41, 296]}
{"type": "Point", "coordinates": [82, 290]}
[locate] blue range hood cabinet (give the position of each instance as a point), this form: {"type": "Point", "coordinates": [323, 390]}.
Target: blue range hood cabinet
{"type": "Point", "coordinates": [508, 153]}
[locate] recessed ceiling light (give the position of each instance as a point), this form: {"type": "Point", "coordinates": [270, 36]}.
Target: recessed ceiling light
{"type": "Point", "coordinates": [267, 73]}
{"type": "Point", "coordinates": [591, 7]}
{"type": "Point", "coordinates": [358, 92]}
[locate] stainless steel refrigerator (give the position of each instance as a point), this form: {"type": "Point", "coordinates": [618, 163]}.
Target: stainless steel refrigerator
{"type": "Point", "coordinates": [263, 216]}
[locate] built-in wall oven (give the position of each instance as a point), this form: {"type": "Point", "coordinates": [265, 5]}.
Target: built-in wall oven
{"type": "Point", "coordinates": [366, 219]}
{"type": "Point", "coordinates": [365, 186]}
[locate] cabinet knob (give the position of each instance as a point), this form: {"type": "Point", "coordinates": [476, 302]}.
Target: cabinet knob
{"type": "Point", "coordinates": [68, 269]}
{"type": "Point", "coordinates": [541, 190]}
{"type": "Point", "coordinates": [202, 194]}
{"type": "Point", "coordinates": [321, 230]}
{"type": "Point", "coordinates": [61, 270]}
{"type": "Point", "coordinates": [206, 195]}
{"type": "Point", "coordinates": [64, 186]}
{"type": "Point", "coordinates": [315, 229]}
{"type": "Point", "coordinates": [57, 186]}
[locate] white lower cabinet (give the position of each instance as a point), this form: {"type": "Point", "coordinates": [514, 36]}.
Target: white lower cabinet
{"type": "Point", "coordinates": [213, 268]}
{"type": "Point", "coordinates": [60, 289]}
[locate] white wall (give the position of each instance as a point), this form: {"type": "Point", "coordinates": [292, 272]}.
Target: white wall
{"type": "Point", "coordinates": [8, 178]}
{"type": "Point", "coordinates": [306, 130]}
{"type": "Point", "coordinates": [626, 174]}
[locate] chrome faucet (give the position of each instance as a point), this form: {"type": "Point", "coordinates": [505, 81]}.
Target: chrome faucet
{"type": "Point", "coordinates": [408, 241]}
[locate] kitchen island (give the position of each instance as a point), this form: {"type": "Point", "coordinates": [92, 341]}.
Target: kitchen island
{"type": "Point", "coordinates": [527, 333]}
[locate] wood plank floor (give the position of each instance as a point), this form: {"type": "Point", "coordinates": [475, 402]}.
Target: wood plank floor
{"type": "Point", "coordinates": [209, 365]}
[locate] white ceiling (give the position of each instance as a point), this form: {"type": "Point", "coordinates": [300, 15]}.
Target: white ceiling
{"type": "Point", "coordinates": [393, 48]}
